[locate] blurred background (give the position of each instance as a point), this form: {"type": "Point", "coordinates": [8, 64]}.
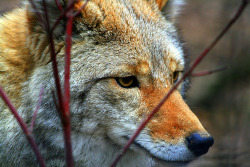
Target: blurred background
{"type": "Point", "coordinates": [221, 100]}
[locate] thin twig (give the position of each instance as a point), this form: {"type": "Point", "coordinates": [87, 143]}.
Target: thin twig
{"type": "Point", "coordinates": [37, 108]}
{"type": "Point", "coordinates": [68, 42]}
{"type": "Point", "coordinates": [64, 102]}
{"type": "Point", "coordinates": [204, 73]}
{"type": "Point", "coordinates": [24, 127]}
{"type": "Point", "coordinates": [65, 11]}
{"type": "Point", "coordinates": [62, 15]}
{"type": "Point", "coordinates": [53, 58]}
{"type": "Point", "coordinates": [66, 114]}
{"type": "Point", "coordinates": [59, 6]}
{"type": "Point", "coordinates": [196, 63]}
{"type": "Point", "coordinates": [36, 11]}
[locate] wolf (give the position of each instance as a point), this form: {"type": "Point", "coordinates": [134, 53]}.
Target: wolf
{"type": "Point", "coordinates": [126, 55]}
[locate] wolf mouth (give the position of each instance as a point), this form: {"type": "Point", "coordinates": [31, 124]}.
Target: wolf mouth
{"type": "Point", "coordinates": [163, 161]}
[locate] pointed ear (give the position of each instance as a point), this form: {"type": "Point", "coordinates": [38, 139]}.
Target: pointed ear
{"type": "Point", "coordinates": [170, 8]}
{"type": "Point", "coordinates": [51, 10]}
{"type": "Point", "coordinates": [161, 3]}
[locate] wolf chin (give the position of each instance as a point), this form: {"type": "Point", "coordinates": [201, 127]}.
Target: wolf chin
{"type": "Point", "coordinates": [126, 55]}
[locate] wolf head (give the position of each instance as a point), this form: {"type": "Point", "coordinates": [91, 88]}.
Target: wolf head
{"type": "Point", "coordinates": [126, 55]}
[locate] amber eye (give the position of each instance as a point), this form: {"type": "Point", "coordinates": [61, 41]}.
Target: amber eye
{"type": "Point", "coordinates": [127, 82]}
{"type": "Point", "coordinates": [175, 76]}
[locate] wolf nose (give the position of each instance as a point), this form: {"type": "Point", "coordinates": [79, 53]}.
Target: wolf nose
{"type": "Point", "coordinates": [199, 145]}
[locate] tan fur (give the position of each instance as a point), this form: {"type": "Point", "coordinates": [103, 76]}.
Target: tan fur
{"type": "Point", "coordinates": [113, 39]}
{"type": "Point", "coordinates": [174, 113]}
{"type": "Point", "coordinates": [22, 47]}
{"type": "Point", "coordinates": [161, 3]}
{"type": "Point", "coordinates": [14, 56]}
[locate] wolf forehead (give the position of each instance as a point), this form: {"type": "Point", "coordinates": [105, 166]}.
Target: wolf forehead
{"type": "Point", "coordinates": [138, 24]}
{"type": "Point", "coordinates": [119, 16]}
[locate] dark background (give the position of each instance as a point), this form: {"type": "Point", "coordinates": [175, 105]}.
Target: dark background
{"type": "Point", "coordinates": [221, 100]}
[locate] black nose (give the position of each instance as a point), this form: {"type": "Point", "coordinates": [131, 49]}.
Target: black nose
{"type": "Point", "coordinates": [199, 145]}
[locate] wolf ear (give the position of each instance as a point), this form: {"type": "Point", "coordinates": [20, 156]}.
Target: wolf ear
{"type": "Point", "coordinates": [161, 3]}
{"type": "Point", "coordinates": [170, 8]}
{"type": "Point", "coordinates": [52, 11]}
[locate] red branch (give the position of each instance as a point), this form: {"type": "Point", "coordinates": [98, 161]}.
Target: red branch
{"type": "Point", "coordinates": [37, 108]}
{"type": "Point", "coordinates": [204, 73]}
{"type": "Point", "coordinates": [64, 102]}
{"type": "Point", "coordinates": [53, 57]}
{"type": "Point", "coordinates": [24, 127]}
{"type": "Point", "coordinates": [62, 15]}
{"type": "Point", "coordinates": [67, 63]}
{"type": "Point", "coordinates": [66, 11]}
{"type": "Point", "coordinates": [195, 64]}
{"type": "Point", "coordinates": [59, 6]}
{"type": "Point", "coordinates": [66, 114]}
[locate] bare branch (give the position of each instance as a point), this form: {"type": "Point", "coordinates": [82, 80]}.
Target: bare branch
{"type": "Point", "coordinates": [37, 108]}
{"type": "Point", "coordinates": [64, 102]}
{"type": "Point", "coordinates": [66, 114]}
{"type": "Point", "coordinates": [59, 5]}
{"type": "Point", "coordinates": [208, 72]}
{"type": "Point", "coordinates": [24, 127]}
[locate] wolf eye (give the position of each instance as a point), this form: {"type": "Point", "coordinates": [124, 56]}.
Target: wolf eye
{"type": "Point", "coordinates": [127, 82]}
{"type": "Point", "coordinates": [175, 76]}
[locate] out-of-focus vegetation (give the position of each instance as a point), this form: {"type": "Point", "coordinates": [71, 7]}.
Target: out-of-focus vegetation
{"type": "Point", "coordinates": [221, 100]}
